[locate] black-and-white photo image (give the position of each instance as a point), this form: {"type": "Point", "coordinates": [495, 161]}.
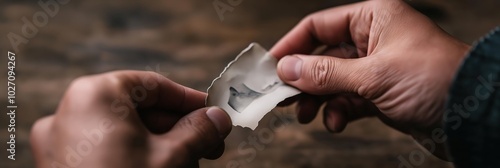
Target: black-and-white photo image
{"type": "Point", "coordinates": [241, 96]}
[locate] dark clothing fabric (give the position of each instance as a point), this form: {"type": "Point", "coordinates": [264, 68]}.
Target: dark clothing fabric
{"type": "Point", "coordinates": [472, 119]}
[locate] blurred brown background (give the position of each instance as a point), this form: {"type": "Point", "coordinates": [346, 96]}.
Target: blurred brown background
{"type": "Point", "coordinates": [186, 41]}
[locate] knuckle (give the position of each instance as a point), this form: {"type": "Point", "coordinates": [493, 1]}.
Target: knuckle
{"type": "Point", "coordinates": [309, 17]}
{"type": "Point", "coordinates": [40, 136]}
{"type": "Point", "coordinates": [85, 84]}
{"type": "Point", "coordinates": [310, 20]}
{"type": "Point", "coordinates": [321, 73]}
{"type": "Point", "coordinates": [81, 92]}
{"type": "Point", "coordinates": [93, 87]}
{"type": "Point", "coordinates": [89, 91]}
{"type": "Point", "coordinates": [41, 127]}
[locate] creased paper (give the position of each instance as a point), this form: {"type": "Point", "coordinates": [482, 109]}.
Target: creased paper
{"type": "Point", "coordinates": [249, 87]}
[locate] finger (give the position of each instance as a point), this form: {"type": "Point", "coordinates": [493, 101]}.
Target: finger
{"type": "Point", "coordinates": [343, 50]}
{"type": "Point", "coordinates": [359, 108]}
{"type": "Point", "coordinates": [289, 101]}
{"type": "Point", "coordinates": [200, 131]}
{"type": "Point", "coordinates": [307, 108]}
{"type": "Point", "coordinates": [347, 108]}
{"type": "Point", "coordinates": [159, 121]}
{"type": "Point", "coordinates": [133, 89]}
{"type": "Point", "coordinates": [321, 75]}
{"type": "Point", "coordinates": [335, 115]}
{"type": "Point", "coordinates": [216, 152]}
{"type": "Point", "coordinates": [329, 27]}
{"type": "Point", "coordinates": [152, 90]}
{"type": "Point", "coordinates": [39, 138]}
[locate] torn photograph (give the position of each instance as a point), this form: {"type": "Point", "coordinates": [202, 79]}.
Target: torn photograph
{"type": "Point", "coordinates": [249, 87]}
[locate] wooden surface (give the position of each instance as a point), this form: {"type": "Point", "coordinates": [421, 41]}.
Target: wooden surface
{"type": "Point", "coordinates": [186, 41]}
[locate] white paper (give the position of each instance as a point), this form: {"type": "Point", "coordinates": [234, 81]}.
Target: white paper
{"type": "Point", "coordinates": [249, 87]}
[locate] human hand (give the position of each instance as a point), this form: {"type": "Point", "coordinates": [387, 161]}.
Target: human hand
{"type": "Point", "coordinates": [400, 70]}
{"type": "Point", "coordinates": [129, 119]}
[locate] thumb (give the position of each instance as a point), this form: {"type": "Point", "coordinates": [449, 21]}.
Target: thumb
{"type": "Point", "coordinates": [200, 131]}
{"type": "Point", "coordinates": [322, 75]}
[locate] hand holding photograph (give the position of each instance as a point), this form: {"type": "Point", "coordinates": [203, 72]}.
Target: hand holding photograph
{"type": "Point", "coordinates": [249, 87]}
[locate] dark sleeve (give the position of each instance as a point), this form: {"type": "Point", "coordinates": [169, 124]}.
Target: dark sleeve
{"type": "Point", "coordinates": [472, 117]}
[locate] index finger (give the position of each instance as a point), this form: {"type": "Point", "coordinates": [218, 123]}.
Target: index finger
{"type": "Point", "coordinates": [328, 27]}
{"type": "Point", "coordinates": [152, 90]}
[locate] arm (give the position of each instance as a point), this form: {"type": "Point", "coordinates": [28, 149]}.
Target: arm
{"type": "Point", "coordinates": [472, 118]}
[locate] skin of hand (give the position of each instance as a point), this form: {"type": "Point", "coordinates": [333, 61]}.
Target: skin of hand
{"type": "Point", "coordinates": [399, 68]}
{"type": "Point", "coordinates": [129, 119]}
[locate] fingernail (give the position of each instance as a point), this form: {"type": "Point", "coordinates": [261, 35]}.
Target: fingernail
{"type": "Point", "coordinates": [220, 119]}
{"type": "Point", "coordinates": [291, 68]}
